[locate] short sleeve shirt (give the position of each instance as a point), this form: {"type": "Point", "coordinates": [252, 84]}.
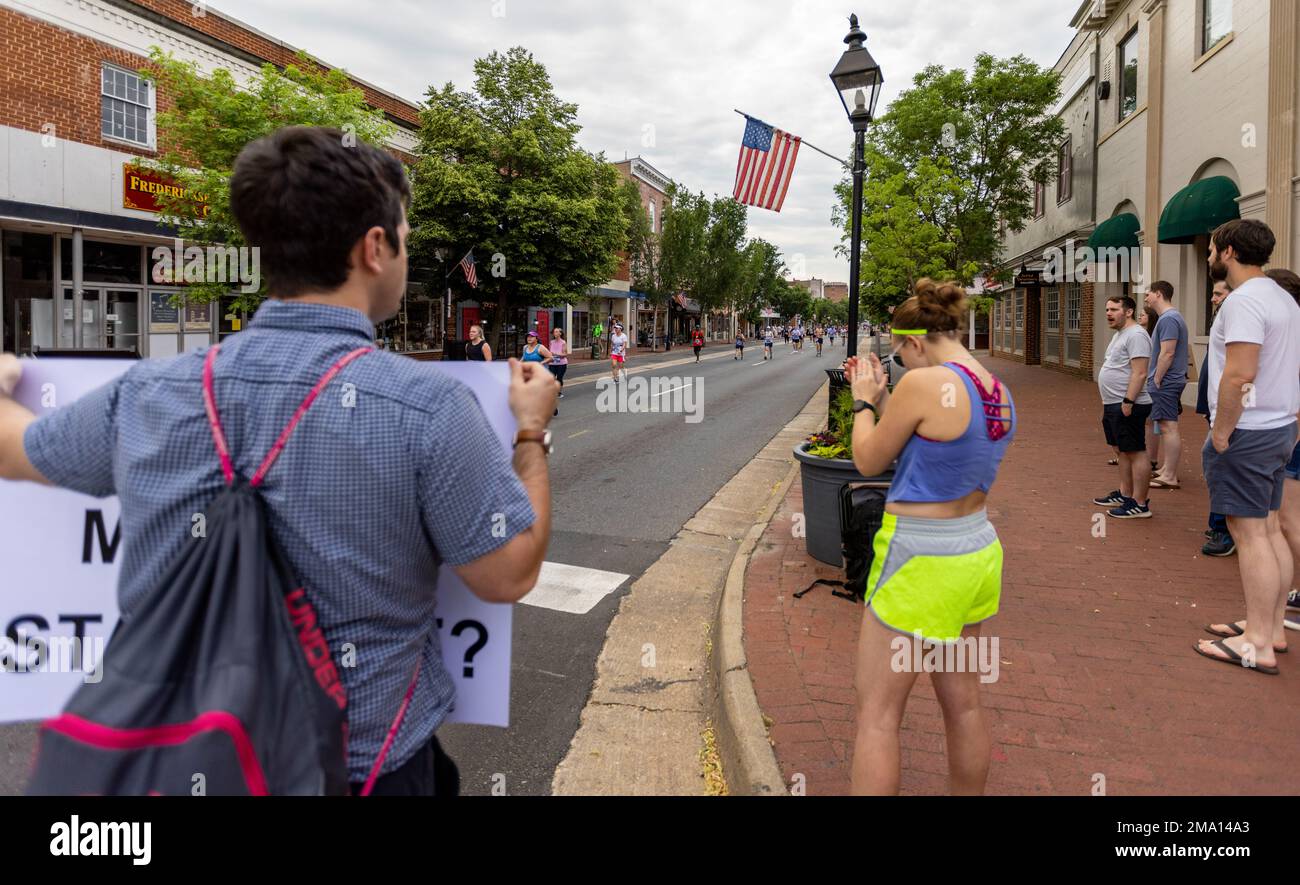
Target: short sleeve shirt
{"type": "Point", "coordinates": [1260, 312]}
{"type": "Point", "coordinates": [1125, 346]}
{"type": "Point", "coordinates": [1170, 327]}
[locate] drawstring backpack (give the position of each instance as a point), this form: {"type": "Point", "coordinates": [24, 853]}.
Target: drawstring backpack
{"type": "Point", "coordinates": [221, 681]}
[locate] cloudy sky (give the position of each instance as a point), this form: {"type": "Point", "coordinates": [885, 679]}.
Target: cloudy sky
{"type": "Point", "coordinates": [659, 78]}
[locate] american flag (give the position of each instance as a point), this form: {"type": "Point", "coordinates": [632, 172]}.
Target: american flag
{"type": "Point", "coordinates": [766, 163]}
{"type": "Point", "coordinates": [467, 265]}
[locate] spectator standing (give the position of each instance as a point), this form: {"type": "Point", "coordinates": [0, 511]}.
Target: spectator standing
{"type": "Point", "coordinates": [1254, 396]}
{"type": "Point", "coordinates": [1166, 378]}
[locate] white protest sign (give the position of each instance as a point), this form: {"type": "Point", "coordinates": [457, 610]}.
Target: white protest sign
{"type": "Point", "coordinates": [60, 553]}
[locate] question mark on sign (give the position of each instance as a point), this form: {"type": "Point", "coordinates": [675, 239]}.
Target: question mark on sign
{"type": "Point", "coordinates": [473, 649]}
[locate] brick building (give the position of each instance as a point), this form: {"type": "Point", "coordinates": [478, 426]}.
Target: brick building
{"type": "Point", "coordinates": [76, 227]}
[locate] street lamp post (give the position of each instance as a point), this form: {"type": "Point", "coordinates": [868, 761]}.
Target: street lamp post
{"type": "Point", "coordinates": [858, 79]}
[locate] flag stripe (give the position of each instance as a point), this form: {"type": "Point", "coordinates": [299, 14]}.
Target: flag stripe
{"type": "Point", "coordinates": [786, 186]}
{"type": "Point", "coordinates": [773, 163]}
{"type": "Point", "coordinates": [742, 179]}
{"type": "Point", "coordinates": [769, 193]}
{"type": "Point", "coordinates": [756, 174]}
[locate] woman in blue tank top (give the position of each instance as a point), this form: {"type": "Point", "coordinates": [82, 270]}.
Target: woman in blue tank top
{"type": "Point", "coordinates": [937, 571]}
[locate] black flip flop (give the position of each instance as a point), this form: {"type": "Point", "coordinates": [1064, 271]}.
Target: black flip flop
{"type": "Point", "coordinates": [1233, 658]}
{"type": "Point", "coordinates": [1237, 631]}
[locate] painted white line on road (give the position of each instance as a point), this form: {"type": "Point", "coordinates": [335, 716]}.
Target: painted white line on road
{"type": "Point", "coordinates": [571, 588]}
{"type": "Point", "coordinates": [674, 390]}
{"type": "Point", "coordinates": [580, 433]}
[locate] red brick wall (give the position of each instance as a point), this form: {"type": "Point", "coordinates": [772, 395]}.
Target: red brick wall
{"type": "Point", "coordinates": [215, 25]}
{"type": "Point", "coordinates": [52, 76]}
{"type": "Point", "coordinates": [648, 195]}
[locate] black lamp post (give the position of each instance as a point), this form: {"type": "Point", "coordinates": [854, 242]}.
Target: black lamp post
{"type": "Point", "coordinates": [858, 79]}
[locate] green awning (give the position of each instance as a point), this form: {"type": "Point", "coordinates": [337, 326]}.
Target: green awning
{"type": "Point", "coordinates": [1198, 209]}
{"type": "Point", "coordinates": [1120, 232]}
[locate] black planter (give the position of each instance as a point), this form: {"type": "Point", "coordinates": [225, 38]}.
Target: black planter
{"type": "Point", "coordinates": [822, 480]}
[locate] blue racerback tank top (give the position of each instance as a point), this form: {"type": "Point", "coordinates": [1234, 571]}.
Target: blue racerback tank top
{"type": "Point", "coordinates": [930, 470]}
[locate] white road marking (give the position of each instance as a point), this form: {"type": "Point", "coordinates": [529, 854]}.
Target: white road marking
{"type": "Point", "coordinates": [674, 390]}
{"type": "Point", "coordinates": [571, 588]}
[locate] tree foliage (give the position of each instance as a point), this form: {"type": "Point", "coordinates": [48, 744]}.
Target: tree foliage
{"type": "Point", "coordinates": [213, 117]}
{"type": "Point", "coordinates": [951, 157]}
{"type": "Point", "coordinates": [499, 172]}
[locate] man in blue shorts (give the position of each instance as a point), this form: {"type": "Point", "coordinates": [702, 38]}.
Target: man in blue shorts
{"type": "Point", "coordinates": [1254, 397]}
{"type": "Point", "coordinates": [1166, 379]}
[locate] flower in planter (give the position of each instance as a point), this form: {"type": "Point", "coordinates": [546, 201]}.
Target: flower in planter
{"type": "Point", "coordinates": [837, 440]}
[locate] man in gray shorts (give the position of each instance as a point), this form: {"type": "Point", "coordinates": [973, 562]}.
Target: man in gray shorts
{"type": "Point", "coordinates": [1166, 378]}
{"type": "Point", "coordinates": [1254, 397]}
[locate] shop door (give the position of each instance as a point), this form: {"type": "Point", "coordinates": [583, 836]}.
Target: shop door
{"type": "Point", "coordinates": [91, 320]}
{"type": "Point", "coordinates": [122, 320]}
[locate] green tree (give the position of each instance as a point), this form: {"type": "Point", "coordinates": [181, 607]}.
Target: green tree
{"type": "Point", "coordinates": [213, 117]}
{"type": "Point", "coordinates": [951, 157]}
{"type": "Point", "coordinates": [499, 171]}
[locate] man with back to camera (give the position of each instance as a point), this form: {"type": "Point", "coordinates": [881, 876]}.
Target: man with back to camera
{"type": "Point", "coordinates": [367, 502]}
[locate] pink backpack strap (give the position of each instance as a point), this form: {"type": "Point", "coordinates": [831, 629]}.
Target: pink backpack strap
{"type": "Point", "coordinates": [392, 732]}
{"type": "Point", "coordinates": [219, 436]}
{"type": "Point", "coordinates": [214, 420]}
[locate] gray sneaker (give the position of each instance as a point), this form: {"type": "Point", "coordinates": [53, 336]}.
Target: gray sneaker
{"type": "Point", "coordinates": [1220, 544]}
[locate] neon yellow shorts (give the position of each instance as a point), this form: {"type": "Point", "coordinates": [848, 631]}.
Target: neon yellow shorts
{"type": "Point", "coordinates": [932, 577]}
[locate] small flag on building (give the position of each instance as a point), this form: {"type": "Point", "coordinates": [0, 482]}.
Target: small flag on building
{"type": "Point", "coordinates": [467, 265]}
{"type": "Point", "coordinates": [766, 163]}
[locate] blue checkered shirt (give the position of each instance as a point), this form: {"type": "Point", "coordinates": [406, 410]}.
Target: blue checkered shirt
{"type": "Point", "coordinates": [367, 501]}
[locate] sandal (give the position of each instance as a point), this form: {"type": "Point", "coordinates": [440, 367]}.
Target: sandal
{"type": "Point", "coordinates": [1234, 630]}
{"type": "Point", "coordinates": [1233, 657]}
{"type": "Point", "coordinates": [1161, 484]}
{"type": "Point", "coordinates": [1113, 462]}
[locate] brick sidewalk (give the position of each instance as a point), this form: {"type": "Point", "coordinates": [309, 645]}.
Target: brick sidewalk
{"type": "Point", "coordinates": [1097, 671]}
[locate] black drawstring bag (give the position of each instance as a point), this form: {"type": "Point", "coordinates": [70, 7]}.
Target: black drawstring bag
{"type": "Point", "coordinates": [220, 682]}
{"type": "Point", "coordinates": [862, 510]}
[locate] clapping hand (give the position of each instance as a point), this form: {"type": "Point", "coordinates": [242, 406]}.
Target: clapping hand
{"type": "Point", "coordinates": [867, 378]}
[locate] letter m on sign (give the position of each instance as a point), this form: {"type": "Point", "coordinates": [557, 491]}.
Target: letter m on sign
{"type": "Point", "coordinates": [96, 530]}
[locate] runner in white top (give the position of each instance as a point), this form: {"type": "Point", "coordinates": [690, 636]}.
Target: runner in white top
{"type": "Point", "coordinates": [617, 351]}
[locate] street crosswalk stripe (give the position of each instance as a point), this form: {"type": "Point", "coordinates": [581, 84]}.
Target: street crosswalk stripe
{"type": "Point", "coordinates": [571, 588]}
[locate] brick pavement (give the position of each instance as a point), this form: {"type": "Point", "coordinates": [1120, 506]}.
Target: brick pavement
{"type": "Point", "coordinates": [1097, 672]}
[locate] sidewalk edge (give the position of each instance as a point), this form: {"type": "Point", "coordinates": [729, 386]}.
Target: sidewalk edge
{"type": "Point", "coordinates": [748, 758]}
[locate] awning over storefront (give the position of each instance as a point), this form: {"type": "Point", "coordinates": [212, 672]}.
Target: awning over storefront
{"type": "Point", "coordinates": [1198, 209]}
{"type": "Point", "coordinates": [1119, 232]}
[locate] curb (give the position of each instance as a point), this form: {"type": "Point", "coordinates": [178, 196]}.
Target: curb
{"type": "Point", "coordinates": [748, 759]}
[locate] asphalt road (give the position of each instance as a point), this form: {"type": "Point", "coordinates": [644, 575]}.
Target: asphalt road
{"type": "Point", "coordinates": [624, 484]}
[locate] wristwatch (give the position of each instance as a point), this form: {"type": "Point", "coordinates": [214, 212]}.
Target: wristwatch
{"type": "Point", "coordinates": [538, 436]}
{"type": "Point", "coordinates": [1129, 402]}
{"type": "Point", "coordinates": [861, 404]}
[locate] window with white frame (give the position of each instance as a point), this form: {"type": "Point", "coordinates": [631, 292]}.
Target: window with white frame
{"type": "Point", "coordinates": [1216, 23]}
{"type": "Point", "coordinates": [651, 205]}
{"type": "Point", "coordinates": [1073, 301]}
{"type": "Point", "coordinates": [126, 106]}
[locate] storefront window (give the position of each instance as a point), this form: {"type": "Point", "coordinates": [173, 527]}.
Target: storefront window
{"type": "Point", "coordinates": [102, 262]}
{"type": "Point", "coordinates": [28, 291]}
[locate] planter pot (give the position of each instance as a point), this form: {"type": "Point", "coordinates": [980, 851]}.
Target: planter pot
{"type": "Point", "coordinates": [822, 480]}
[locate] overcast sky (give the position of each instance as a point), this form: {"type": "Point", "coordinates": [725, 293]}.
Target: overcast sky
{"type": "Point", "coordinates": [659, 78]}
